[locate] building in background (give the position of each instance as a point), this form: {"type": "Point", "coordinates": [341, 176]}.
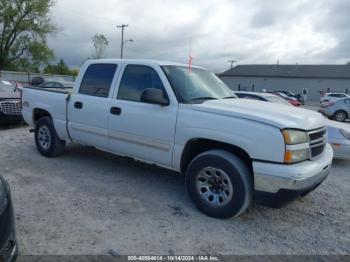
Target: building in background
{"type": "Point", "coordinates": [308, 80]}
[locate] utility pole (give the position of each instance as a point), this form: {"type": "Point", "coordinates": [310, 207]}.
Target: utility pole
{"type": "Point", "coordinates": [232, 62]}
{"type": "Point", "coordinates": [122, 42]}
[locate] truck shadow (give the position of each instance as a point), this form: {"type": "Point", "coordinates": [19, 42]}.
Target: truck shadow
{"type": "Point", "coordinates": [6, 126]}
{"type": "Point", "coordinates": [152, 182]}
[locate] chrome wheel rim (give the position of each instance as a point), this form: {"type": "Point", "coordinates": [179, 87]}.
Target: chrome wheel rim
{"type": "Point", "coordinates": [340, 116]}
{"type": "Point", "coordinates": [214, 186]}
{"type": "Point", "coordinates": [44, 137]}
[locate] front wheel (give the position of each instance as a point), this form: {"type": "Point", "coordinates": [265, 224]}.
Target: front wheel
{"type": "Point", "coordinates": [220, 184]}
{"type": "Point", "coordinates": [46, 139]}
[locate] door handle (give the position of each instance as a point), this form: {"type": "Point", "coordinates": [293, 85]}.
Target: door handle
{"type": "Point", "coordinates": [116, 110]}
{"type": "Point", "coordinates": [78, 105]}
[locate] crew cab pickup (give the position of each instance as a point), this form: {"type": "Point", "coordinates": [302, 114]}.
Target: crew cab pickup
{"type": "Point", "coordinates": [232, 151]}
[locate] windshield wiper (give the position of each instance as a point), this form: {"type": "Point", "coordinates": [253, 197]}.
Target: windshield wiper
{"type": "Point", "coordinates": [203, 98]}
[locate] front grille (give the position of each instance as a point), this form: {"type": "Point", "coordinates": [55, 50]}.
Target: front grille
{"type": "Point", "coordinates": [317, 135]}
{"type": "Point", "coordinates": [11, 107]}
{"type": "Point", "coordinates": [317, 150]}
{"type": "Point", "coordinates": [318, 140]}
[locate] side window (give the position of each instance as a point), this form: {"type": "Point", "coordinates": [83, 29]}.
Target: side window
{"type": "Point", "coordinates": [97, 80]}
{"type": "Point", "coordinates": [256, 98]}
{"type": "Point", "coordinates": [48, 84]}
{"type": "Point", "coordinates": [58, 85]}
{"type": "Point", "coordinates": [137, 78]}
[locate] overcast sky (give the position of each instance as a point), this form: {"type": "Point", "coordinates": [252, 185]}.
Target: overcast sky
{"type": "Point", "coordinates": [249, 31]}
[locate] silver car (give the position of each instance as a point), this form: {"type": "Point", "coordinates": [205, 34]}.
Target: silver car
{"type": "Point", "coordinates": [338, 110]}
{"type": "Point", "coordinates": [339, 138]}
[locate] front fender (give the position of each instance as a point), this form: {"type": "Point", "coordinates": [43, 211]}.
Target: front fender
{"type": "Point", "coordinates": [259, 140]}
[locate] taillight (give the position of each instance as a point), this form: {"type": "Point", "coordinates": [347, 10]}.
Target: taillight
{"type": "Point", "coordinates": [20, 95]}
{"type": "Point", "coordinates": [327, 104]}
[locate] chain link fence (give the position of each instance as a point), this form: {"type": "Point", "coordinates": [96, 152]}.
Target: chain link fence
{"type": "Point", "coordinates": [26, 77]}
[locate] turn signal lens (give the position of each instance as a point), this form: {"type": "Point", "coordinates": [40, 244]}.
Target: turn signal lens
{"type": "Point", "coordinates": [294, 156]}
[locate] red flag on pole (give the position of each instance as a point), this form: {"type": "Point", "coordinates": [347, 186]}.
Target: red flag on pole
{"type": "Point", "coordinates": [190, 64]}
{"type": "Point", "coordinates": [190, 58]}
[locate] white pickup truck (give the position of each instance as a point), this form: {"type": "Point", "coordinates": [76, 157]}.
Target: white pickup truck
{"type": "Point", "coordinates": [231, 150]}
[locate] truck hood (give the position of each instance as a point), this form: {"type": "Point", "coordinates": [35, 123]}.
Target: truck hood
{"type": "Point", "coordinates": [281, 116]}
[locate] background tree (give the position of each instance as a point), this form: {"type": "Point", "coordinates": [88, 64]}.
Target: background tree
{"type": "Point", "coordinates": [61, 68]}
{"type": "Point", "coordinates": [100, 43]}
{"type": "Point", "coordinates": [24, 26]}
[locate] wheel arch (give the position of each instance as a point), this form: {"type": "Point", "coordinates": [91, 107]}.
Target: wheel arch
{"type": "Point", "coordinates": [39, 113]}
{"type": "Point", "coordinates": [196, 146]}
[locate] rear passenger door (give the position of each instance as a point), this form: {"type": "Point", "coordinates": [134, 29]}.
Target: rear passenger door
{"type": "Point", "coordinates": [142, 130]}
{"type": "Point", "coordinates": [88, 109]}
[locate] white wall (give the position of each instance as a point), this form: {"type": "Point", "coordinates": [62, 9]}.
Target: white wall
{"type": "Point", "coordinates": [295, 85]}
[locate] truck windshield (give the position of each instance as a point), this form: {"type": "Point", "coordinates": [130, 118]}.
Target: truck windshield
{"type": "Point", "coordinates": [196, 86]}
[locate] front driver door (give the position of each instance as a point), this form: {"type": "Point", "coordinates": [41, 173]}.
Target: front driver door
{"type": "Point", "coordinates": [141, 130]}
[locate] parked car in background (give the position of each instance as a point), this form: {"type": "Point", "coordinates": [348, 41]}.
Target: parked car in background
{"type": "Point", "coordinates": [55, 84]}
{"type": "Point", "coordinates": [267, 97]}
{"type": "Point", "coordinates": [8, 242]}
{"type": "Point", "coordinates": [339, 139]}
{"type": "Point", "coordinates": [293, 101]}
{"type": "Point", "coordinates": [187, 121]}
{"type": "Point", "coordinates": [327, 97]}
{"type": "Point", "coordinates": [10, 103]}
{"type": "Point", "coordinates": [38, 80]}
{"type": "Point", "coordinates": [299, 97]}
{"type": "Point", "coordinates": [338, 110]}
{"type": "Point", "coordinates": [18, 86]}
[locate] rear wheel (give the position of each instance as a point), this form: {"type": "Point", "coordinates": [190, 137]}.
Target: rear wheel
{"type": "Point", "coordinates": [46, 139]}
{"type": "Point", "coordinates": [340, 116]}
{"type": "Point", "coordinates": [220, 184]}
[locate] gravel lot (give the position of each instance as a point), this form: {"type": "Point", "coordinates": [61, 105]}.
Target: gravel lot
{"type": "Point", "coordinates": [88, 201]}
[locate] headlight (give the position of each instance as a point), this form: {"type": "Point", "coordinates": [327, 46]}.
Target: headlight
{"type": "Point", "coordinates": [294, 156]}
{"type": "Point", "coordinates": [3, 195]}
{"type": "Point", "coordinates": [345, 133]}
{"type": "Point", "coordinates": [293, 137]}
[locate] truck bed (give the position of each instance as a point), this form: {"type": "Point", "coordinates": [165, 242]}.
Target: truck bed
{"type": "Point", "coordinates": [54, 90]}
{"type": "Point", "coordinates": [51, 100]}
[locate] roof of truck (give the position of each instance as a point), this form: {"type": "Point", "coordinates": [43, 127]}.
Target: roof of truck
{"type": "Point", "coordinates": [154, 61]}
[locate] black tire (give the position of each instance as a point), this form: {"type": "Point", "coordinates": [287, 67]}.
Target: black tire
{"type": "Point", "coordinates": [54, 145]}
{"type": "Point", "coordinates": [340, 116]}
{"type": "Point", "coordinates": [237, 172]}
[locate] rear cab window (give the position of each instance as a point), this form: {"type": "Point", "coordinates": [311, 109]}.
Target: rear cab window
{"type": "Point", "coordinates": [97, 80]}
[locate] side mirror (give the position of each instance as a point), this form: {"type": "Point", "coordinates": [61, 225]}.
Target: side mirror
{"type": "Point", "coordinates": [154, 96]}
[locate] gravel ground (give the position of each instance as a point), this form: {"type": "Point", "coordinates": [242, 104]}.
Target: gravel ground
{"type": "Point", "coordinates": [87, 202]}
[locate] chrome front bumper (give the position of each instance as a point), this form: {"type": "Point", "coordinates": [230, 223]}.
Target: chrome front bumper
{"type": "Point", "coordinates": [271, 178]}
